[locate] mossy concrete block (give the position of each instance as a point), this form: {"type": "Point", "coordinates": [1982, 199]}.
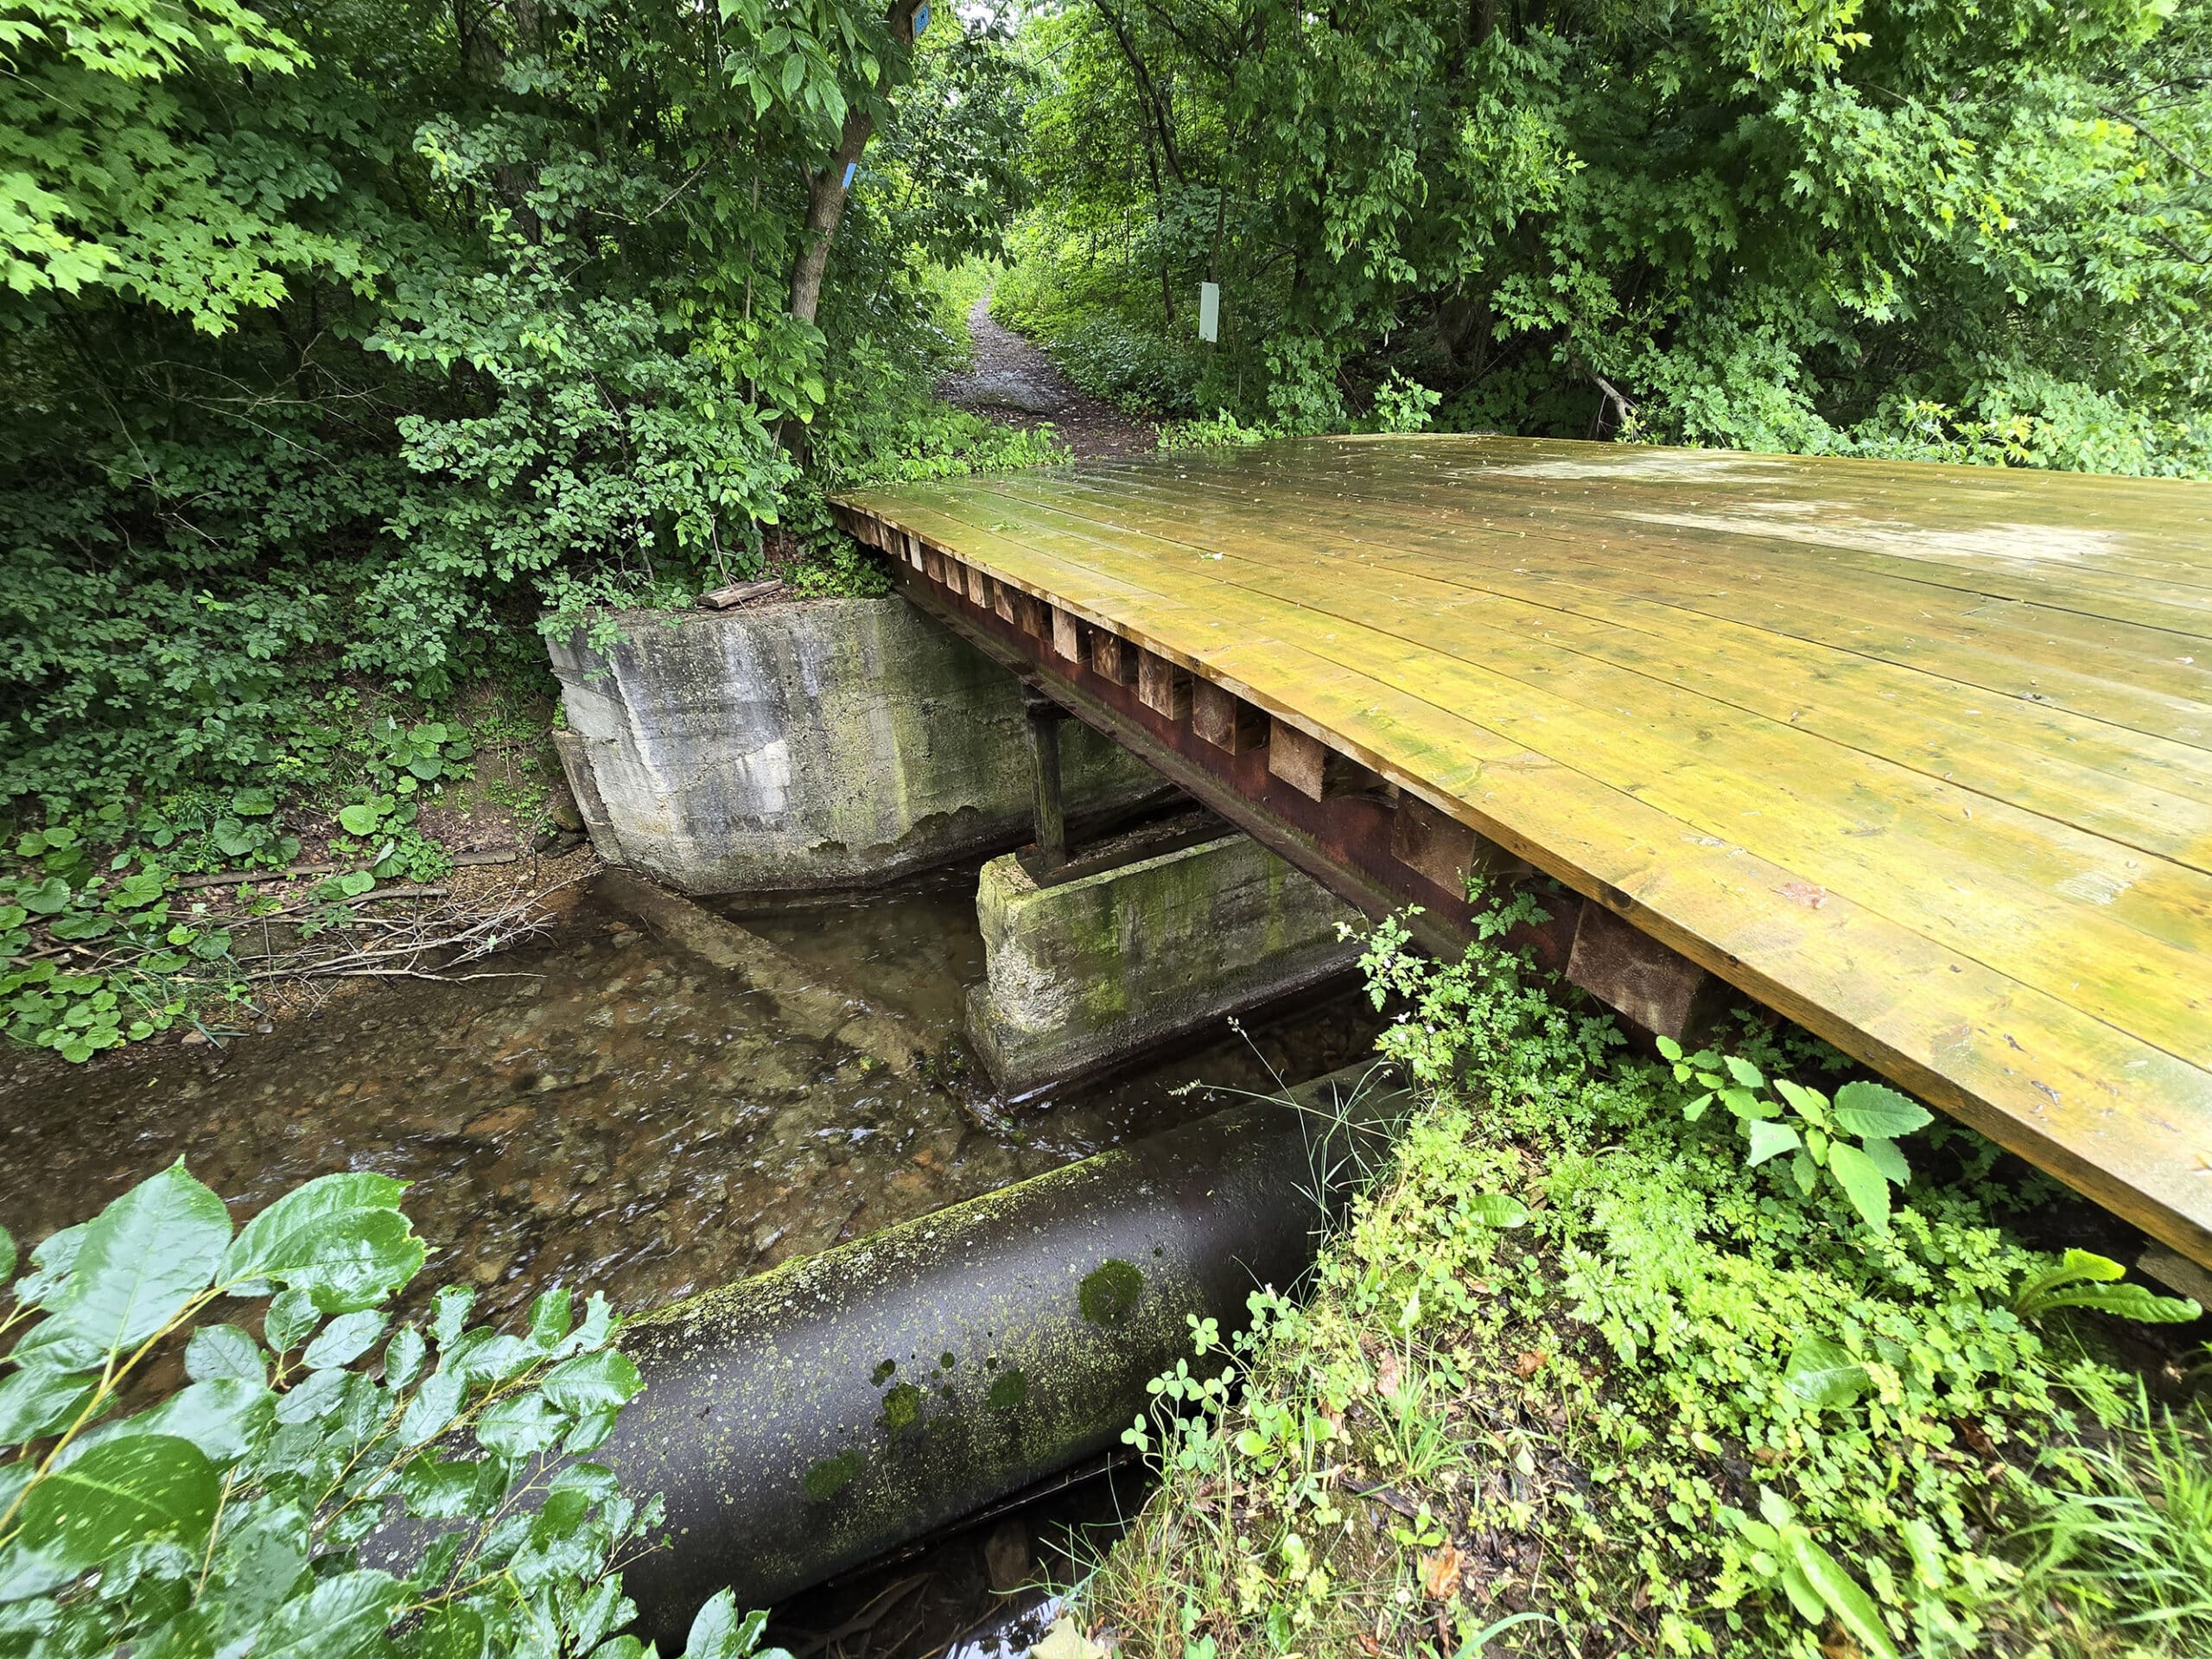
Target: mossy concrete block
{"type": "Point", "coordinates": [822, 743]}
{"type": "Point", "coordinates": [1084, 974]}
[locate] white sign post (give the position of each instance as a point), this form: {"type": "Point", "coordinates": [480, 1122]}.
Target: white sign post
{"type": "Point", "coordinates": [1210, 311]}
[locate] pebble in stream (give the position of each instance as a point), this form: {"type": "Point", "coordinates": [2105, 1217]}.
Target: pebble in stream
{"type": "Point", "coordinates": [617, 1118]}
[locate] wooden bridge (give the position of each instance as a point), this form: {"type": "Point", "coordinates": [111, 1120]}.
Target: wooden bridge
{"type": "Point", "coordinates": [1919, 756]}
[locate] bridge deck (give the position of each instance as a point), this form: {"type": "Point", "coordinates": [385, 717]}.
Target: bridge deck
{"type": "Point", "coordinates": [1920, 756]}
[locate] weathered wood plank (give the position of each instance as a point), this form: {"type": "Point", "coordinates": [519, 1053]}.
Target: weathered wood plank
{"type": "Point", "coordinates": [1917, 756]}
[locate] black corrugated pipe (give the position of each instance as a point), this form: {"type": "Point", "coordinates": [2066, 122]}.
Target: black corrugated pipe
{"type": "Point", "coordinates": [813, 1417]}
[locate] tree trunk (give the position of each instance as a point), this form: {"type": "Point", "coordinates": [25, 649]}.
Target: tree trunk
{"type": "Point", "coordinates": [827, 189]}
{"type": "Point", "coordinates": [825, 204]}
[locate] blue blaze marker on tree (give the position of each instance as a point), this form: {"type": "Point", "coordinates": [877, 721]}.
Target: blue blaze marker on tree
{"type": "Point", "coordinates": [921, 16]}
{"type": "Point", "coordinates": [851, 168]}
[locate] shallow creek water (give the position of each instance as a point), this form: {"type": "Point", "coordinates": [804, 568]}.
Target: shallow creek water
{"type": "Point", "coordinates": [612, 1114]}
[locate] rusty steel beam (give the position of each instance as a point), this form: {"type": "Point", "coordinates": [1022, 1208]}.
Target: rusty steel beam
{"type": "Point", "coordinates": [1349, 843]}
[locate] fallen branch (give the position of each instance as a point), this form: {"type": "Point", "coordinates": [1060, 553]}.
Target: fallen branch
{"type": "Point", "coordinates": [239, 878]}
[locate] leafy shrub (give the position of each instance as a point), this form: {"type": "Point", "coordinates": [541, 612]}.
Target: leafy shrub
{"type": "Point", "coordinates": [229, 1517]}
{"type": "Point", "coordinates": [1585, 1358]}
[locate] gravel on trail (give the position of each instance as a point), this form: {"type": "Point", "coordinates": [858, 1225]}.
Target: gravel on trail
{"type": "Point", "coordinates": [1017, 385]}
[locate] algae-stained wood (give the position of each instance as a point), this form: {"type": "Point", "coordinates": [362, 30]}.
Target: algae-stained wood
{"type": "Point", "coordinates": [1920, 755]}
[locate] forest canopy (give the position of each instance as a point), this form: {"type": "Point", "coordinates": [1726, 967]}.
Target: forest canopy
{"type": "Point", "coordinates": [1969, 232]}
{"type": "Point", "coordinates": [338, 338]}
{"type": "Point", "coordinates": [341, 343]}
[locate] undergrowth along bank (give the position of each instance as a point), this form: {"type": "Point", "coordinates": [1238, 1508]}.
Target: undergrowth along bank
{"type": "Point", "coordinates": [1732, 1353]}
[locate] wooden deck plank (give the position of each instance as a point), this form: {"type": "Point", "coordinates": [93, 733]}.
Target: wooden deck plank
{"type": "Point", "coordinates": [1929, 534]}
{"type": "Point", "coordinates": [2131, 787]}
{"type": "Point", "coordinates": [1842, 821]}
{"type": "Point", "coordinates": [2120, 672]}
{"type": "Point", "coordinates": [1596, 695]}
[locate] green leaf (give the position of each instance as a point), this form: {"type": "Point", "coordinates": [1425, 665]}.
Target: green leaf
{"type": "Point", "coordinates": [1770, 1141]}
{"type": "Point", "coordinates": [1746, 1075]}
{"type": "Point", "coordinates": [341, 1238]}
{"type": "Point", "coordinates": [1822, 1372]}
{"type": "Point", "coordinates": [142, 1258]}
{"type": "Point", "coordinates": [125, 1491]}
{"type": "Point", "coordinates": [6, 1253]}
{"type": "Point", "coordinates": [224, 1350]}
{"type": "Point", "coordinates": [452, 1630]}
{"type": "Point", "coordinates": [440, 1488]}
{"type": "Point", "coordinates": [258, 1562]}
{"type": "Point", "coordinates": [344, 1340]}
{"type": "Point", "coordinates": [1806, 1173]}
{"type": "Point", "coordinates": [1808, 1103]}
{"type": "Point", "coordinates": [1806, 1600]}
{"type": "Point", "coordinates": [49, 897]}
{"type": "Point", "coordinates": [2135, 1302]}
{"type": "Point", "coordinates": [220, 1416]}
{"type": "Point", "coordinates": [339, 1619]}
{"type": "Point", "coordinates": [1862, 1182]}
{"type": "Point", "coordinates": [354, 883]}
{"type": "Point", "coordinates": [253, 803]}
{"type": "Point", "coordinates": [403, 1357]}
{"type": "Point", "coordinates": [1886, 1157]}
{"type": "Point", "coordinates": [52, 1259]}
{"type": "Point", "coordinates": [358, 820]}
{"type": "Point", "coordinates": [449, 1314]}
{"type": "Point", "coordinates": [520, 1425]}
{"type": "Point", "coordinates": [1853, 1607]}
{"type": "Point", "coordinates": [549, 1318]}
{"type": "Point", "coordinates": [594, 1381]}
{"type": "Point", "coordinates": [290, 1317]}
{"type": "Point", "coordinates": [1497, 1209]}
{"type": "Point", "coordinates": [39, 1401]}
{"type": "Point", "coordinates": [717, 1631]}
{"type": "Point", "coordinates": [1874, 1110]}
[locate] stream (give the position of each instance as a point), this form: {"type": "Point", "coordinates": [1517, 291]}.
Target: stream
{"type": "Point", "coordinates": [598, 1109]}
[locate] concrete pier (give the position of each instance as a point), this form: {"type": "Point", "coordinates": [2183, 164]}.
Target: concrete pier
{"type": "Point", "coordinates": [1086, 970]}
{"type": "Point", "coordinates": [820, 743]}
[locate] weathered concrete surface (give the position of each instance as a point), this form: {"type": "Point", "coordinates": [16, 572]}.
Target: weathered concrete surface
{"type": "Point", "coordinates": [1082, 974]}
{"type": "Point", "coordinates": [822, 743]}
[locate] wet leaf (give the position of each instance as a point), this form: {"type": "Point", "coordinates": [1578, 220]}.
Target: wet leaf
{"type": "Point", "coordinates": [344, 1340]}
{"type": "Point", "coordinates": [40, 1401]}
{"type": "Point", "coordinates": [340, 1617]}
{"type": "Point", "coordinates": [123, 1491]}
{"type": "Point", "coordinates": [224, 1350]}
{"type": "Point", "coordinates": [592, 1381]}
{"type": "Point", "coordinates": [341, 1238]}
{"type": "Point", "coordinates": [141, 1259]}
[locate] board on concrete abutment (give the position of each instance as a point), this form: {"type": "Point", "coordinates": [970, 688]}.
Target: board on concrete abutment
{"type": "Point", "coordinates": [1920, 756]}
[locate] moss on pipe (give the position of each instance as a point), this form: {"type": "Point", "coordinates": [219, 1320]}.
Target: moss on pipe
{"type": "Point", "coordinates": [804, 1420]}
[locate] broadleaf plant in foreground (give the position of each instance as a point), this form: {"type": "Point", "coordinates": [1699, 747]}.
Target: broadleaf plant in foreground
{"type": "Point", "coordinates": [227, 1519]}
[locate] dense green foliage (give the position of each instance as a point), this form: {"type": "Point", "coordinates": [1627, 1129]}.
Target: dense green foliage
{"type": "Point", "coordinates": [1967, 231]}
{"type": "Point", "coordinates": [228, 1517]}
{"type": "Point", "coordinates": [1595, 1355]}
{"type": "Point", "coordinates": [338, 339]}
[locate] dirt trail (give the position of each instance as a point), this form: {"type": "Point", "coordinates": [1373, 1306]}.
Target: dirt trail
{"type": "Point", "coordinates": [1014, 383]}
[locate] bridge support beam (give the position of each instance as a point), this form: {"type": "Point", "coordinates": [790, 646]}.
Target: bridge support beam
{"type": "Point", "coordinates": [1373, 843]}
{"type": "Point", "coordinates": [1044, 717]}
